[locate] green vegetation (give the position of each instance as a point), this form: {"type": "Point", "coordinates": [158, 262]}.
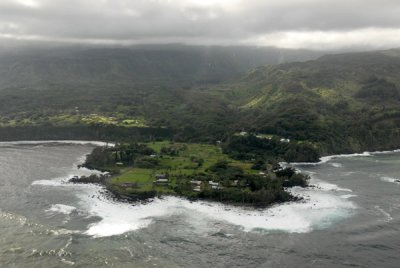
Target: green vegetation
{"type": "Point", "coordinates": [335, 104]}
{"type": "Point", "coordinates": [196, 98]}
{"type": "Point", "coordinates": [249, 146]}
{"type": "Point", "coordinates": [194, 171]}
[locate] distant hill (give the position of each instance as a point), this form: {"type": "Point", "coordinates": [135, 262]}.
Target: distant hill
{"type": "Point", "coordinates": [339, 103]}
{"type": "Point", "coordinates": [346, 101]}
{"type": "Point", "coordinates": [47, 68]}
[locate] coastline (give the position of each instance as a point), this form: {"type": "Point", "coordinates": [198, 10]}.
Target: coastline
{"type": "Point", "coordinates": [327, 158]}
{"type": "Point", "coordinates": [143, 198]}
{"type": "Point", "coordinates": [39, 142]}
{"type": "Point", "coordinates": [222, 179]}
{"type": "Point", "coordinates": [119, 216]}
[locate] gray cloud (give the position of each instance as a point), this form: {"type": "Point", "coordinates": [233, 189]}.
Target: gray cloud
{"type": "Point", "coordinates": [286, 23]}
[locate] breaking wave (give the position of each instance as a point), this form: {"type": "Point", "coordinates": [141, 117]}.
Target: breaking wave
{"type": "Point", "coordinates": [390, 179]}
{"type": "Point", "coordinates": [95, 143]}
{"type": "Point", "coordinates": [62, 209]}
{"type": "Point", "coordinates": [337, 165]}
{"type": "Point", "coordinates": [318, 210]}
{"type": "Point", "coordinates": [321, 206]}
{"type": "Point", "coordinates": [326, 159]}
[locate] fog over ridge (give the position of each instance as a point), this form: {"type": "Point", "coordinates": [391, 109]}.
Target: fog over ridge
{"type": "Point", "coordinates": [313, 24]}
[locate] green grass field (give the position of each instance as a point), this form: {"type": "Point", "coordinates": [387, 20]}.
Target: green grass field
{"type": "Point", "coordinates": [181, 164]}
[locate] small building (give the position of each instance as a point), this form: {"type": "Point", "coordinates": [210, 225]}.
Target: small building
{"type": "Point", "coordinates": [262, 173]}
{"type": "Point", "coordinates": [214, 185]}
{"type": "Point", "coordinates": [197, 185]}
{"type": "Point", "coordinates": [161, 182]}
{"type": "Point", "coordinates": [161, 179]}
{"type": "Point", "coordinates": [119, 164]}
{"type": "Point", "coordinates": [128, 185]}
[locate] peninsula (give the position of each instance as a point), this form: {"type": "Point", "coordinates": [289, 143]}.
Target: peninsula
{"type": "Point", "coordinates": [140, 171]}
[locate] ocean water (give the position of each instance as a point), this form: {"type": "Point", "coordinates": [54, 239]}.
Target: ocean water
{"type": "Point", "coordinates": [350, 217]}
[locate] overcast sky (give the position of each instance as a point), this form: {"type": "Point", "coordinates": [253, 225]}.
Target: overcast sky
{"type": "Point", "coordinates": [314, 24]}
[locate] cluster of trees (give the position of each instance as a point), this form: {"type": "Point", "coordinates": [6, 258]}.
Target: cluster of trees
{"type": "Point", "coordinates": [237, 187]}
{"type": "Point", "coordinates": [251, 147]}
{"type": "Point", "coordinates": [128, 153]}
{"type": "Point", "coordinates": [262, 198]}
{"type": "Point", "coordinates": [105, 158]}
{"type": "Point", "coordinates": [91, 179]}
{"type": "Point", "coordinates": [147, 162]}
{"type": "Point", "coordinates": [378, 89]}
{"type": "Point", "coordinates": [224, 170]}
{"type": "Point", "coordinates": [234, 185]}
{"type": "Point", "coordinates": [173, 150]}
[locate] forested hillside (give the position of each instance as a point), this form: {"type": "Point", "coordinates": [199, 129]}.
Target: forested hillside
{"type": "Point", "coordinates": [347, 102]}
{"type": "Point", "coordinates": [51, 68]}
{"type": "Point", "coordinates": [337, 103]}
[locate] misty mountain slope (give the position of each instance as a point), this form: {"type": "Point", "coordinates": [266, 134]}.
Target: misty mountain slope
{"type": "Point", "coordinates": [47, 68]}
{"type": "Point", "coordinates": [339, 103]}
{"type": "Point", "coordinates": [345, 102]}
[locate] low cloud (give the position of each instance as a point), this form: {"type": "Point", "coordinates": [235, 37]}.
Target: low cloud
{"type": "Point", "coordinates": [284, 23]}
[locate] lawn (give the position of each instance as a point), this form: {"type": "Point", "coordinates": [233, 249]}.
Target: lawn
{"type": "Point", "coordinates": [181, 164]}
{"type": "Point", "coordinates": [138, 175]}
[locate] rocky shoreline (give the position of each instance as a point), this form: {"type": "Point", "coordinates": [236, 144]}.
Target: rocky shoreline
{"type": "Point", "coordinates": [148, 196]}
{"type": "Point", "coordinates": [103, 180]}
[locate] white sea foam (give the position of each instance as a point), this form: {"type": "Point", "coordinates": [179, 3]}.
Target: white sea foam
{"type": "Point", "coordinates": [347, 196]}
{"type": "Point", "coordinates": [390, 179]}
{"type": "Point", "coordinates": [62, 181]}
{"type": "Point", "coordinates": [326, 186]}
{"type": "Point", "coordinates": [53, 182]}
{"type": "Point", "coordinates": [39, 142]}
{"type": "Point", "coordinates": [59, 181]}
{"type": "Point", "coordinates": [75, 171]}
{"type": "Point", "coordinates": [318, 210]}
{"type": "Point", "coordinates": [325, 159]}
{"type": "Point", "coordinates": [60, 208]}
{"type": "Point", "coordinates": [337, 165]}
{"type": "Point", "coordinates": [386, 152]}
{"type": "Point", "coordinates": [387, 216]}
{"type": "Point", "coordinates": [328, 158]}
{"type": "Point", "coordinates": [348, 173]}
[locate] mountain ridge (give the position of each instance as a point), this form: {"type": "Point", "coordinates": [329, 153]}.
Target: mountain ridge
{"type": "Point", "coordinates": [338, 103]}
